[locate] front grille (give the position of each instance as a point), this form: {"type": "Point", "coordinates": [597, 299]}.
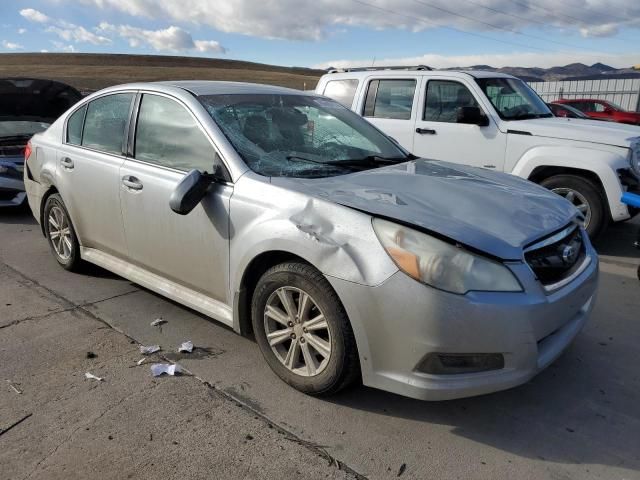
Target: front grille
{"type": "Point", "coordinates": [554, 261]}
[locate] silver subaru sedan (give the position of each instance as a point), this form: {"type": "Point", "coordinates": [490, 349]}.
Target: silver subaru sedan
{"type": "Point", "coordinates": [288, 217]}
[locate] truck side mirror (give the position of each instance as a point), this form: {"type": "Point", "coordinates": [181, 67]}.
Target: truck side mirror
{"type": "Point", "coordinates": [472, 116]}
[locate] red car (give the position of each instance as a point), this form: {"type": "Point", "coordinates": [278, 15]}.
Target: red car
{"type": "Point", "coordinates": [602, 110]}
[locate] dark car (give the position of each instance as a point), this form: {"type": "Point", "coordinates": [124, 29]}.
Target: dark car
{"type": "Point", "coordinates": [602, 110]}
{"type": "Point", "coordinates": [27, 106]}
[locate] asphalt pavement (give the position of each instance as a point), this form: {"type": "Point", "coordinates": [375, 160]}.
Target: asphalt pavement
{"type": "Point", "coordinates": [233, 418]}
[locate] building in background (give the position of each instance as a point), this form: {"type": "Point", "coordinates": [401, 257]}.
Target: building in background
{"type": "Point", "coordinates": [621, 91]}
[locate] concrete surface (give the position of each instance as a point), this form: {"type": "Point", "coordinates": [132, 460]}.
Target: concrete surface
{"type": "Point", "coordinates": [578, 419]}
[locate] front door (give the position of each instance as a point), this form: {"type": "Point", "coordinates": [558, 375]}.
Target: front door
{"type": "Point", "coordinates": [191, 250]}
{"type": "Point", "coordinates": [439, 136]}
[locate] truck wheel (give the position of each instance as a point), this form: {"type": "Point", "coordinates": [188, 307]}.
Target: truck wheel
{"type": "Point", "coordinates": [61, 234]}
{"type": "Point", "coordinates": [303, 331]}
{"type": "Point", "coordinates": [586, 197]}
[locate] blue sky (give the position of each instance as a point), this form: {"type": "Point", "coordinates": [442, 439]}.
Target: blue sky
{"type": "Point", "coordinates": [441, 33]}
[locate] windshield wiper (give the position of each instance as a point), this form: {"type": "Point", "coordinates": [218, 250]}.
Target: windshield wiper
{"type": "Point", "coordinates": [311, 160]}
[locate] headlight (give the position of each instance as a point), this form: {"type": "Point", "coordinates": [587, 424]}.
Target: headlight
{"type": "Point", "coordinates": [440, 264]}
{"type": "Point", "coordinates": [634, 158]}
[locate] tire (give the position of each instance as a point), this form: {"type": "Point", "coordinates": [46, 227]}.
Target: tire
{"type": "Point", "coordinates": [598, 220]}
{"type": "Point", "coordinates": [67, 250]}
{"type": "Point", "coordinates": [309, 372]}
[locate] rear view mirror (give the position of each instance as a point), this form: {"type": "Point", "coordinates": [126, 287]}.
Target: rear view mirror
{"type": "Point", "coordinates": [472, 116]}
{"type": "Point", "coordinates": [190, 191]}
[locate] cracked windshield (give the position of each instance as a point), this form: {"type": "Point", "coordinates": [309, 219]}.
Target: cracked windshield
{"type": "Point", "coordinates": [300, 136]}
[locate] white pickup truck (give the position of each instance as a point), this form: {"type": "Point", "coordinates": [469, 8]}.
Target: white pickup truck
{"type": "Point", "coordinates": [497, 121]}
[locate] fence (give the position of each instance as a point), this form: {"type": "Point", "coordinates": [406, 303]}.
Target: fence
{"type": "Point", "coordinates": [621, 91]}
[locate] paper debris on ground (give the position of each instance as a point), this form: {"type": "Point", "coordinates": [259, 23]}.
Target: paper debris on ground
{"type": "Point", "coordinates": [150, 349]}
{"type": "Point", "coordinates": [13, 387]}
{"type": "Point", "coordinates": [186, 347]}
{"type": "Point", "coordinates": [91, 376]}
{"type": "Point", "coordinates": [158, 369]}
{"type": "Point", "coordinates": [142, 360]}
{"type": "Point", "coordinates": [157, 322]}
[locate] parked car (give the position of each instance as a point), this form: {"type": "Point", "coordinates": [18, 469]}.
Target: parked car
{"type": "Point", "coordinates": [602, 110]}
{"type": "Point", "coordinates": [567, 111]}
{"type": "Point", "coordinates": [27, 106]}
{"type": "Point", "coordinates": [496, 121]}
{"type": "Point", "coordinates": [285, 214]}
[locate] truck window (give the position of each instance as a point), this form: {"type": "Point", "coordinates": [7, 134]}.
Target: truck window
{"type": "Point", "coordinates": [341, 91]}
{"type": "Point", "coordinates": [443, 99]}
{"type": "Point", "coordinates": [390, 99]}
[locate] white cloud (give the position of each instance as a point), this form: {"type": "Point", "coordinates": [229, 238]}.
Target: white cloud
{"type": "Point", "coordinates": [34, 15]}
{"type": "Point", "coordinates": [10, 45]}
{"type": "Point", "coordinates": [604, 30]}
{"type": "Point", "coordinates": [64, 48]}
{"type": "Point", "coordinates": [171, 39]}
{"type": "Point", "coordinates": [76, 33]}
{"type": "Point", "coordinates": [22, 31]}
{"type": "Point", "coordinates": [209, 46]}
{"type": "Point", "coordinates": [293, 19]}
{"type": "Point", "coordinates": [542, 60]}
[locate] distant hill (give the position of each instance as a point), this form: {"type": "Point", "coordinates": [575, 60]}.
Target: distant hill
{"type": "Point", "coordinates": [573, 71]}
{"type": "Point", "coordinates": [89, 72]}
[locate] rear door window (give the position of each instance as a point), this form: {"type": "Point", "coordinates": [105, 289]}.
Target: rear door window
{"type": "Point", "coordinates": [444, 98]}
{"type": "Point", "coordinates": [392, 98]}
{"type": "Point", "coordinates": [105, 123]}
{"type": "Point", "coordinates": [342, 91]}
{"type": "Point", "coordinates": [168, 135]}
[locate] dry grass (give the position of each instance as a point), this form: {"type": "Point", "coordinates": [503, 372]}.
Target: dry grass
{"type": "Point", "coordinates": [94, 71]}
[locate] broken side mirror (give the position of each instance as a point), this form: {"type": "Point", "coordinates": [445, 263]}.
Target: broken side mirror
{"type": "Point", "coordinates": [191, 190]}
{"type": "Point", "coordinates": [472, 116]}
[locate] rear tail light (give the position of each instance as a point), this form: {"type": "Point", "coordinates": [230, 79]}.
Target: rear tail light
{"type": "Point", "coordinates": [27, 151]}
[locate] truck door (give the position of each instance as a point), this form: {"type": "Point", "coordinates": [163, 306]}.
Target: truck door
{"type": "Point", "coordinates": [391, 104]}
{"type": "Point", "coordinates": [440, 136]}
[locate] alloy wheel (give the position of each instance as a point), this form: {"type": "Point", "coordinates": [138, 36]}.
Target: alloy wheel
{"type": "Point", "coordinates": [578, 200]}
{"type": "Point", "coordinates": [60, 232]}
{"type": "Point", "coordinates": [297, 331]}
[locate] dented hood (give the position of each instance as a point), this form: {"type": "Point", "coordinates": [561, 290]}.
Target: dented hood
{"type": "Point", "coordinates": [492, 212]}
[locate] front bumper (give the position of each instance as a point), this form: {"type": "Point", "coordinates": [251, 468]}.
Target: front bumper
{"type": "Point", "coordinates": [400, 321]}
{"type": "Point", "coordinates": [12, 192]}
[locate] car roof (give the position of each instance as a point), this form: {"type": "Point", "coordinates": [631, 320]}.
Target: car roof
{"type": "Point", "coordinates": [396, 71]}
{"type": "Point", "coordinates": [211, 87]}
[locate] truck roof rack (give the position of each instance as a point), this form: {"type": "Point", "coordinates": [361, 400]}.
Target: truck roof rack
{"type": "Point", "coordinates": [366, 69]}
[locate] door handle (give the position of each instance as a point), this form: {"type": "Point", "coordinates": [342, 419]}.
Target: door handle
{"type": "Point", "coordinates": [425, 131]}
{"type": "Point", "coordinates": [67, 163]}
{"type": "Point", "coordinates": [131, 182]}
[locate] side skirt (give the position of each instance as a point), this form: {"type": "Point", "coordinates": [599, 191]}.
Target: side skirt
{"type": "Point", "coordinates": [190, 298]}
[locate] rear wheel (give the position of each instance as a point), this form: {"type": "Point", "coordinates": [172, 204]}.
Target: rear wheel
{"type": "Point", "coordinates": [303, 331]}
{"type": "Point", "coordinates": [61, 234]}
{"type": "Point", "coordinates": [585, 196]}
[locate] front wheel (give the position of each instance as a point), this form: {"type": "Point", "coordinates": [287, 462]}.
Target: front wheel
{"type": "Point", "coordinates": [303, 331]}
{"type": "Point", "coordinates": [585, 196]}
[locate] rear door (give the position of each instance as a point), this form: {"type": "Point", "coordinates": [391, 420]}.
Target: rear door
{"type": "Point", "coordinates": [88, 165]}
{"type": "Point", "coordinates": [439, 136]}
{"type": "Point", "coordinates": [390, 103]}
{"type": "Point", "coordinates": [192, 250]}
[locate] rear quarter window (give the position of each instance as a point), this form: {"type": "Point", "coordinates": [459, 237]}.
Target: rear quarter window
{"type": "Point", "coordinates": [75, 124]}
{"type": "Point", "coordinates": [342, 91]}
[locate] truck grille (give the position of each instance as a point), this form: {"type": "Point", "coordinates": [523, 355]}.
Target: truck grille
{"type": "Point", "coordinates": [11, 151]}
{"type": "Point", "coordinates": [558, 257]}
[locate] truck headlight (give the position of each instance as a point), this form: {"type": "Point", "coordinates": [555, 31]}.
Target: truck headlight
{"type": "Point", "coordinates": [634, 158]}
{"type": "Point", "coordinates": [440, 264]}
